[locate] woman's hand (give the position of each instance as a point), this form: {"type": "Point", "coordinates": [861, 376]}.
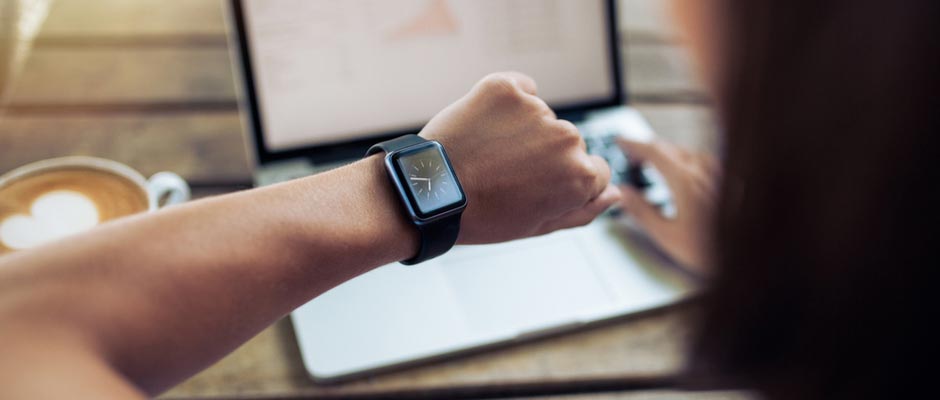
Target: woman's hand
{"type": "Point", "coordinates": [525, 172]}
{"type": "Point", "coordinates": [691, 178]}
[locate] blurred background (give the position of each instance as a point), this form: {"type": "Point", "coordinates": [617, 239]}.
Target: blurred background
{"type": "Point", "coordinates": [148, 83]}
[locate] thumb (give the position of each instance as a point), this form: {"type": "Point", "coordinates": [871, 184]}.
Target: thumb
{"type": "Point", "coordinates": [584, 215]}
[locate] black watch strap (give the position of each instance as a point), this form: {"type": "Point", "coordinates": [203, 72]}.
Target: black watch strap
{"type": "Point", "coordinates": [398, 143]}
{"type": "Point", "coordinates": [436, 237]}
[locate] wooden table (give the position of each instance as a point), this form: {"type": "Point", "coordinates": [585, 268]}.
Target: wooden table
{"type": "Point", "coordinates": [148, 83]}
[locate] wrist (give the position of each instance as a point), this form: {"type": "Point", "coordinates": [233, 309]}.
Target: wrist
{"type": "Point", "coordinates": [350, 217]}
{"type": "Point", "coordinates": [387, 228]}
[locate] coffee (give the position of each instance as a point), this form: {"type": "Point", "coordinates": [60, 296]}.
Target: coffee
{"type": "Point", "coordinates": [48, 204]}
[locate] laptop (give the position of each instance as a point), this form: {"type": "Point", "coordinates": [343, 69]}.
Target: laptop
{"type": "Point", "coordinates": [321, 81]}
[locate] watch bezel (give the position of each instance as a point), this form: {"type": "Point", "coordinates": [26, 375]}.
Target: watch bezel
{"type": "Point", "coordinates": [411, 204]}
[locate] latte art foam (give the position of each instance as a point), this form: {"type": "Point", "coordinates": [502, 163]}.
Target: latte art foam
{"type": "Point", "coordinates": [49, 205]}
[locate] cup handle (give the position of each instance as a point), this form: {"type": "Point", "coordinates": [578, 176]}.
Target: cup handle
{"type": "Point", "coordinates": [169, 186]}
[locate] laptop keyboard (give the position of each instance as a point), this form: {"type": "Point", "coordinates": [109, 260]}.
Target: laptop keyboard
{"type": "Point", "coordinates": [603, 142]}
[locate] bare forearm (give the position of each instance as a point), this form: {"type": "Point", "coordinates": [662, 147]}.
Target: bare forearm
{"type": "Point", "coordinates": [164, 295]}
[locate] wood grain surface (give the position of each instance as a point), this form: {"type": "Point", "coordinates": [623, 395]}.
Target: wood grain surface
{"type": "Point", "coordinates": [148, 83]}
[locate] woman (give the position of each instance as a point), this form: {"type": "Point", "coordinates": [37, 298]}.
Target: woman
{"type": "Point", "coordinates": [823, 247]}
{"type": "Point", "coordinates": [818, 258]}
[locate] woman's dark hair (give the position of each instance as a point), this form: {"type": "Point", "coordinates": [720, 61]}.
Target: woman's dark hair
{"type": "Point", "coordinates": [827, 230]}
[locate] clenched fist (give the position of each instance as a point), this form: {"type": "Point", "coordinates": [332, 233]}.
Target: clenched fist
{"type": "Point", "coordinates": [524, 171]}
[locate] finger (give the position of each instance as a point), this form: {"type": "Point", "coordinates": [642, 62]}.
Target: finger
{"type": "Point", "coordinates": [544, 108]}
{"type": "Point", "coordinates": [654, 152]}
{"type": "Point", "coordinates": [663, 156]}
{"type": "Point", "coordinates": [523, 81]}
{"type": "Point", "coordinates": [516, 79]}
{"type": "Point", "coordinates": [584, 215]}
{"type": "Point", "coordinates": [646, 214]}
{"type": "Point", "coordinates": [519, 84]}
{"type": "Point", "coordinates": [529, 87]}
{"type": "Point", "coordinates": [610, 196]}
{"type": "Point", "coordinates": [569, 127]}
{"type": "Point", "coordinates": [602, 177]}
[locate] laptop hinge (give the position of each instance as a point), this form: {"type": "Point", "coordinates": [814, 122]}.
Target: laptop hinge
{"type": "Point", "coordinates": [280, 171]}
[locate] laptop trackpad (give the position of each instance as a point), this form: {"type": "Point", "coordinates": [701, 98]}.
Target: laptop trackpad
{"type": "Point", "coordinates": [524, 285]}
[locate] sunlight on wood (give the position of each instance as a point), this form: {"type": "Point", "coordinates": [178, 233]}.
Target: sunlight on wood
{"type": "Point", "coordinates": [20, 21]}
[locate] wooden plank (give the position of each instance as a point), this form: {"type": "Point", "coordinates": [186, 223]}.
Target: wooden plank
{"type": "Point", "coordinates": [647, 20]}
{"type": "Point", "coordinates": [9, 14]}
{"type": "Point", "coordinates": [204, 147]}
{"type": "Point", "coordinates": [116, 75]}
{"type": "Point", "coordinates": [137, 17]}
{"type": "Point", "coordinates": [20, 22]}
{"type": "Point", "coordinates": [108, 75]}
{"type": "Point", "coordinates": [658, 71]}
{"type": "Point", "coordinates": [643, 18]}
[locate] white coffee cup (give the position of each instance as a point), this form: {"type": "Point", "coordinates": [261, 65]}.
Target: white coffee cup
{"type": "Point", "coordinates": [74, 206]}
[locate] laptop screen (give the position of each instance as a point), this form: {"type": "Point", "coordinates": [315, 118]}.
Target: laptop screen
{"type": "Point", "coordinates": [330, 71]}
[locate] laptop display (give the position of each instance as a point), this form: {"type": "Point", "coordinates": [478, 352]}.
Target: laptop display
{"type": "Point", "coordinates": [327, 72]}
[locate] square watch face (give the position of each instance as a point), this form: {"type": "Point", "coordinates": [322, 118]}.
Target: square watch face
{"type": "Point", "coordinates": [429, 179]}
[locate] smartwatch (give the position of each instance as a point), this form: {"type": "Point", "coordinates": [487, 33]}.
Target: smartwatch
{"type": "Point", "coordinates": [430, 192]}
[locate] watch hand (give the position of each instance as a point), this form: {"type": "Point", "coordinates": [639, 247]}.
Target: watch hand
{"type": "Point", "coordinates": [421, 179]}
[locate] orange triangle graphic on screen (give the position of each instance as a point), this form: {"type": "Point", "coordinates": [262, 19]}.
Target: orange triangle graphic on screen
{"type": "Point", "coordinates": [436, 20]}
